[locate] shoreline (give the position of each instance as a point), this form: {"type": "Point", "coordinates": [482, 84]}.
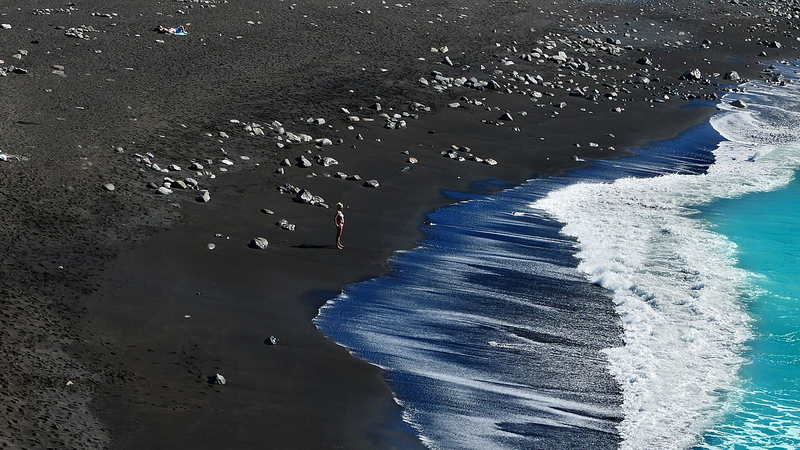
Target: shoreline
{"type": "Point", "coordinates": [122, 285]}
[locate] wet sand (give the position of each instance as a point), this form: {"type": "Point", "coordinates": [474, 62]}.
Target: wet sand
{"type": "Point", "coordinates": [115, 311]}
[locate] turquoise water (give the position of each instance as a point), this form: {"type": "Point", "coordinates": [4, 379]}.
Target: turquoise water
{"type": "Point", "coordinates": [766, 229]}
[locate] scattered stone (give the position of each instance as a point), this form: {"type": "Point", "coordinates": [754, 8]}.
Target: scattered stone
{"type": "Point", "coordinates": [507, 117]}
{"type": "Point", "coordinates": [354, 178]}
{"type": "Point", "coordinates": [490, 161]}
{"type": "Point", "coordinates": [645, 61]}
{"type": "Point", "coordinates": [259, 243]}
{"type": "Point", "coordinates": [109, 187]}
{"type": "Point", "coordinates": [371, 183]}
{"type": "Point", "coordinates": [211, 246]}
{"type": "Point", "coordinates": [272, 340]}
{"type": "Point", "coordinates": [739, 104]}
{"type": "Point", "coordinates": [164, 190]}
{"type": "Point", "coordinates": [268, 212]}
{"type": "Point", "coordinates": [324, 142]}
{"type": "Point", "coordinates": [286, 162]}
{"type": "Point", "coordinates": [412, 160]}
{"type": "Point", "coordinates": [174, 168]}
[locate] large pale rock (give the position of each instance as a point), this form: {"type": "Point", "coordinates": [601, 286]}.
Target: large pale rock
{"type": "Point", "coordinates": [216, 379]}
{"type": "Point", "coordinates": [259, 243]}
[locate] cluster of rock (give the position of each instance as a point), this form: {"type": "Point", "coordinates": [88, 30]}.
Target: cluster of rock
{"type": "Point", "coordinates": [203, 2]}
{"type": "Point", "coordinates": [81, 32]}
{"type": "Point", "coordinates": [302, 195]}
{"type": "Point", "coordinates": [47, 11]}
{"type": "Point", "coordinates": [347, 177]}
{"type": "Point", "coordinates": [440, 82]}
{"type": "Point", "coordinates": [168, 184]}
{"type": "Point", "coordinates": [4, 71]}
{"type": "Point", "coordinates": [462, 154]}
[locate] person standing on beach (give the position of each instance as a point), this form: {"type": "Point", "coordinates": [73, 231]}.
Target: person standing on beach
{"type": "Point", "coordinates": [338, 219]}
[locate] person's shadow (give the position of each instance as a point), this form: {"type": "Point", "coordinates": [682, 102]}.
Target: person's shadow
{"type": "Point", "coordinates": [306, 246]}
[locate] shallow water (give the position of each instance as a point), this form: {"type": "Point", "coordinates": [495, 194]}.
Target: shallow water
{"type": "Point", "coordinates": [605, 309]}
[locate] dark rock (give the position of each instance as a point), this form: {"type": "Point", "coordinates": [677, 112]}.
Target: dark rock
{"type": "Point", "coordinates": [692, 75]}
{"type": "Point", "coordinates": [216, 379]}
{"type": "Point", "coordinates": [732, 76]}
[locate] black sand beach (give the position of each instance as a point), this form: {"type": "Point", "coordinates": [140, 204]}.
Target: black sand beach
{"type": "Point", "coordinates": [113, 309]}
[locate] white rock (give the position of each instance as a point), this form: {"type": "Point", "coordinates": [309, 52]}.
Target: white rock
{"type": "Point", "coordinates": [260, 243]}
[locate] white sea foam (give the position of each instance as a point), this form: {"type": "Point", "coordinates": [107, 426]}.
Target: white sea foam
{"type": "Point", "coordinates": [674, 280]}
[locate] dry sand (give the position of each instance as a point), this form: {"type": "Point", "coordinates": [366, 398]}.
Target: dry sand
{"type": "Point", "coordinates": [113, 311]}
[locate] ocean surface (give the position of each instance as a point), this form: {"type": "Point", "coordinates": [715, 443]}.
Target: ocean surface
{"type": "Point", "coordinates": [645, 302]}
